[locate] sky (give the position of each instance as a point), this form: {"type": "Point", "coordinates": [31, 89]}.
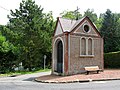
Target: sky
{"type": "Point", "coordinates": [58, 6]}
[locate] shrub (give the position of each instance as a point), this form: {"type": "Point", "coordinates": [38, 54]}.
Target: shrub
{"type": "Point", "coordinates": [112, 60]}
{"type": "Point", "coordinates": [7, 61]}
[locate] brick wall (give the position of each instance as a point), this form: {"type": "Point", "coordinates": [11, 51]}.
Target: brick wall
{"type": "Point", "coordinates": [76, 62]}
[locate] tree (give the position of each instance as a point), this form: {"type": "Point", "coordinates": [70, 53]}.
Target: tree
{"type": "Point", "coordinates": [75, 14]}
{"type": "Point", "coordinates": [109, 31]}
{"type": "Point", "coordinates": [7, 54]}
{"type": "Point", "coordinates": [30, 30]}
{"type": "Point", "coordinates": [99, 21]}
{"type": "Point", "coordinates": [91, 15]}
{"type": "Point", "coordinates": [71, 15]}
{"type": "Point", "coordinates": [117, 16]}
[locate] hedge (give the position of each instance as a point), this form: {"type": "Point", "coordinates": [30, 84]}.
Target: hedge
{"type": "Point", "coordinates": [112, 60]}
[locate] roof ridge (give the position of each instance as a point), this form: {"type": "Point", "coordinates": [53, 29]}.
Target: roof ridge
{"type": "Point", "coordinates": [76, 23]}
{"type": "Point", "coordinates": [69, 24]}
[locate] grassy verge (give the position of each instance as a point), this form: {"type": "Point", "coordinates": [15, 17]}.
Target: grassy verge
{"type": "Point", "coordinates": [23, 72]}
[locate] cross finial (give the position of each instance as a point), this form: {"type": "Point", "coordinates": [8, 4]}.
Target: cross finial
{"type": "Point", "coordinates": [76, 13]}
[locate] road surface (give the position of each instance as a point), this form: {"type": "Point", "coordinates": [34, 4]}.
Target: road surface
{"type": "Point", "coordinates": [26, 82]}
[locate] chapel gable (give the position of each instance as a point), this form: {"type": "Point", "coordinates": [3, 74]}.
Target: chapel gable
{"type": "Point", "coordinates": [86, 27]}
{"type": "Point", "coordinates": [82, 26]}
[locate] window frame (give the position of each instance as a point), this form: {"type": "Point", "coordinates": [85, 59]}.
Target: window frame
{"type": "Point", "coordinates": [88, 26]}
{"type": "Point", "coordinates": [86, 47]}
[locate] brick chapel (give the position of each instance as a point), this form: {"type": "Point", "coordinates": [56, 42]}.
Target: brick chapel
{"type": "Point", "coordinates": [76, 44]}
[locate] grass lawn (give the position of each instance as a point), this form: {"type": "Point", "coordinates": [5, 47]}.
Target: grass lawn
{"type": "Point", "coordinates": [23, 72]}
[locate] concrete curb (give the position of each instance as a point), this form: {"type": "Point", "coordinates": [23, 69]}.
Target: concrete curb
{"type": "Point", "coordinates": [77, 81]}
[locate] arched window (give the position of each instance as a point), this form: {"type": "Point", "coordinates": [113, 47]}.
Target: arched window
{"type": "Point", "coordinates": [86, 47]}
{"type": "Point", "coordinates": [83, 46]}
{"type": "Point", "coordinates": [89, 46]}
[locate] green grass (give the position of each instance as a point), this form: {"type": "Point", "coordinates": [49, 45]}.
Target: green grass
{"type": "Point", "coordinates": [23, 72]}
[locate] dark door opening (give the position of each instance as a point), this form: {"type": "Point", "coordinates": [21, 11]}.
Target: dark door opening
{"type": "Point", "coordinates": [60, 57]}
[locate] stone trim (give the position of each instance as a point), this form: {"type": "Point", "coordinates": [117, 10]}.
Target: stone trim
{"type": "Point", "coordinates": [82, 47]}
{"type": "Point", "coordinates": [54, 53]}
{"type": "Point", "coordinates": [69, 53]}
{"type": "Point", "coordinates": [86, 35]}
{"type": "Point", "coordinates": [88, 25]}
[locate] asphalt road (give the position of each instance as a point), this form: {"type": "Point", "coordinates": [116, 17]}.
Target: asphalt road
{"type": "Point", "coordinates": [26, 82]}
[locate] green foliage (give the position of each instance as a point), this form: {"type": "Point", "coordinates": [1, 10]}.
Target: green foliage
{"type": "Point", "coordinates": [90, 13]}
{"type": "Point", "coordinates": [71, 15]}
{"type": "Point", "coordinates": [77, 15]}
{"type": "Point", "coordinates": [13, 74]}
{"type": "Point", "coordinates": [7, 61]}
{"type": "Point", "coordinates": [109, 31]}
{"type": "Point", "coordinates": [99, 21]}
{"type": "Point", "coordinates": [112, 60]}
{"type": "Point", "coordinates": [30, 30]}
{"type": "Point", "coordinates": [93, 17]}
{"type": "Point", "coordinates": [7, 56]}
{"type": "Point", "coordinates": [28, 35]}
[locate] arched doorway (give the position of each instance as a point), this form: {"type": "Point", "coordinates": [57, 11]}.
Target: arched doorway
{"type": "Point", "coordinates": [59, 57]}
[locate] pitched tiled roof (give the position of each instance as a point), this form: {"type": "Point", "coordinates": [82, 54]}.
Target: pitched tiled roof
{"type": "Point", "coordinates": [77, 22]}
{"type": "Point", "coordinates": [68, 24]}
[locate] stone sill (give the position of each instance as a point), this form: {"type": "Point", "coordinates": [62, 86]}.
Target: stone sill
{"type": "Point", "coordinates": [87, 56]}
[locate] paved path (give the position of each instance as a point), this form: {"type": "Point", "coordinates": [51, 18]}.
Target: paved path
{"type": "Point", "coordinates": [106, 75]}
